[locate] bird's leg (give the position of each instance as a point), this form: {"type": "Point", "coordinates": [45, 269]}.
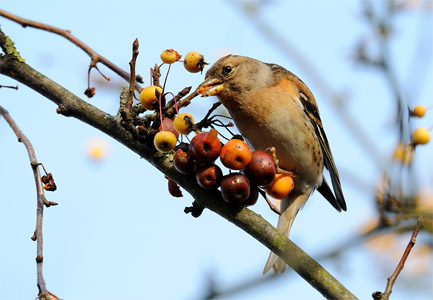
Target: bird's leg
{"type": "Point", "coordinates": [273, 153]}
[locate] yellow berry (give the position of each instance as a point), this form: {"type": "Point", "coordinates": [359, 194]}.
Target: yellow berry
{"type": "Point", "coordinates": [165, 141]}
{"type": "Point", "coordinates": [419, 111]}
{"type": "Point", "coordinates": [148, 97]}
{"type": "Point", "coordinates": [182, 124]}
{"type": "Point", "coordinates": [97, 149]}
{"type": "Point", "coordinates": [194, 62]}
{"type": "Point", "coordinates": [170, 56]}
{"type": "Point", "coordinates": [421, 136]}
{"type": "Point", "coordinates": [403, 153]}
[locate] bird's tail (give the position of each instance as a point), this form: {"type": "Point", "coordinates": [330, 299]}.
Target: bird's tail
{"type": "Point", "coordinates": [285, 223]}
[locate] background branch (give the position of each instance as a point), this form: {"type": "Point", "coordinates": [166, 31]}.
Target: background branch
{"type": "Point", "coordinates": [400, 266]}
{"type": "Point", "coordinates": [94, 56]}
{"type": "Point", "coordinates": [40, 195]}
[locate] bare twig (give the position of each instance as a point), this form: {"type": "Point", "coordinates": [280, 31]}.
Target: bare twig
{"type": "Point", "coordinates": [132, 80]}
{"type": "Point", "coordinates": [400, 266]}
{"type": "Point", "coordinates": [43, 292]}
{"type": "Point", "coordinates": [94, 56]}
{"type": "Point", "coordinates": [9, 87]}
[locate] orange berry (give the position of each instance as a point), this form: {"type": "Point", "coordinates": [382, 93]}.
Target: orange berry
{"type": "Point", "coordinates": [170, 56]}
{"type": "Point", "coordinates": [281, 186]}
{"type": "Point", "coordinates": [182, 123]}
{"type": "Point", "coordinates": [148, 96]}
{"type": "Point", "coordinates": [419, 111]}
{"type": "Point", "coordinates": [194, 62]}
{"type": "Point", "coordinates": [235, 154]}
{"type": "Point", "coordinates": [164, 141]}
{"type": "Point", "coordinates": [421, 136]}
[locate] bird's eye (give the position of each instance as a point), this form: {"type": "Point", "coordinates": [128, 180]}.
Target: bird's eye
{"type": "Point", "coordinates": [227, 70]}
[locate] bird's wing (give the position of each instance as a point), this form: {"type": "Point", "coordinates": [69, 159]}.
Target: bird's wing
{"type": "Point", "coordinates": [311, 110]}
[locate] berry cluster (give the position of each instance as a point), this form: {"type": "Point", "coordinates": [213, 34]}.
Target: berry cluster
{"type": "Point", "coordinates": [248, 170]}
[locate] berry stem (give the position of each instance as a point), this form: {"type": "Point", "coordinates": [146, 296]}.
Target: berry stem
{"type": "Point", "coordinates": [175, 102]}
{"type": "Point", "coordinates": [165, 80]}
{"type": "Point", "coordinates": [160, 112]}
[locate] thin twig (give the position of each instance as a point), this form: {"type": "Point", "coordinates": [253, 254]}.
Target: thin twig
{"type": "Point", "coordinates": [400, 266]}
{"type": "Point", "coordinates": [43, 292]}
{"type": "Point", "coordinates": [95, 57]}
{"type": "Point", "coordinates": [132, 80]}
{"type": "Point", "coordinates": [9, 87]}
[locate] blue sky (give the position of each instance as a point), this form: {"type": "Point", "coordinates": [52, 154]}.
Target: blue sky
{"type": "Point", "coordinates": [117, 233]}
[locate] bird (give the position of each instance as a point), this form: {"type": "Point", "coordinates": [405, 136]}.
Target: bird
{"type": "Point", "coordinates": [272, 107]}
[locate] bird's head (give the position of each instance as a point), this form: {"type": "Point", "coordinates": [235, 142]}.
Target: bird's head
{"type": "Point", "coordinates": [234, 74]}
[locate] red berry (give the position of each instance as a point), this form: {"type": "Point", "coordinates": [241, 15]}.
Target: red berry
{"type": "Point", "coordinates": [183, 162]}
{"type": "Point", "coordinates": [261, 169]}
{"type": "Point", "coordinates": [235, 188]}
{"type": "Point", "coordinates": [209, 177]}
{"type": "Point", "coordinates": [205, 147]}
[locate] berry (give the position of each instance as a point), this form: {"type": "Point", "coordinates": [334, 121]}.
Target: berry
{"type": "Point", "coordinates": [261, 170]}
{"type": "Point", "coordinates": [148, 97]}
{"type": "Point", "coordinates": [194, 62]}
{"type": "Point", "coordinates": [205, 147]}
{"type": "Point", "coordinates": [183, 123]}
{"type": "Point", "coordinates": [420, 136]}
{"type": "Point", "coordinates": [164, 141]}
{"type": "Point", "coordinates": [209, 177]}
{"type": "Point", "coordinates": [183, 162]}
{"type": "Point", "coordinates": [235, 188]}
{"type": "Point", "coordinates": [174, 189]}
{"type": "Point", "coordinates": [235, 154]}
{"type": "Point", "coordinates": [254, 195]}
{"type": "Point", "coordinates": [170, 56]}
{"type": "Point", "coordinates": [419, 111]}
{"type": "Point", "coordinates": [281, 186]}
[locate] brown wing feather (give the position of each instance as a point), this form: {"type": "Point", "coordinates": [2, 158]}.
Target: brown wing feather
{"type": "Point", "coordinates": [313, 114]}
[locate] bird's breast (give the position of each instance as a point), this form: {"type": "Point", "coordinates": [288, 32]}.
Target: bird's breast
{"type": "Point", "coordinates": [274, 118]}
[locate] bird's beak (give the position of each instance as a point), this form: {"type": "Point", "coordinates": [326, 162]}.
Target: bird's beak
{"type": "Point", "coordinates": [210, 87]}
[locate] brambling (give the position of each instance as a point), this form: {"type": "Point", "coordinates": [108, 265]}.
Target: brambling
{"type": "Point", "coordinates": [272, 107]}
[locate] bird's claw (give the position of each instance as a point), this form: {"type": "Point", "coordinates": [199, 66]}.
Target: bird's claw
{"type": "Point", "coordinates": [273, 153]}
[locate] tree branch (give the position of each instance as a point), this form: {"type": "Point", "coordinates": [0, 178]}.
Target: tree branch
{"type": "Point", "coordinates": [94, 56]}
{"type": "Point", "coordinates": [400, 266]}
{"type": "Point", "coordinates": [43, 292]}
{"type": "Point", "coordinates": [250, 222]}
